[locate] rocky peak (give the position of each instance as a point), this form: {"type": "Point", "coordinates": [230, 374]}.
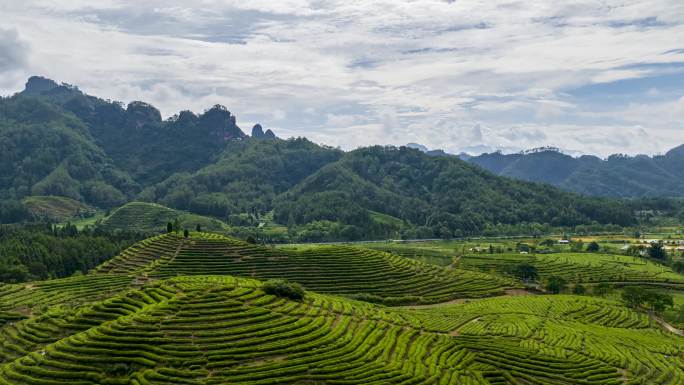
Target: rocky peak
{"type": "Point", "coordinates": [257, 131]}
{"type": "Point", "coordinates": [141, 113]}
{"type": "Point", "coordinates": [36, 85]}
{"type": "Point", "coordinates": [269, 134]}
{"type": "Point", "coordinates": [220, 122]}
{"type": "Point", "coordinates": [677, 151]}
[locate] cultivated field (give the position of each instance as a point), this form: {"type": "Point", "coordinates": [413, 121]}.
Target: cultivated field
{"type": "Point", "coordinates": [175, 310]}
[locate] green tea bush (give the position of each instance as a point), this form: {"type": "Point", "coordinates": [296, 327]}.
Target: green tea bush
{"type": "Point", "coordinates": [283, 288]}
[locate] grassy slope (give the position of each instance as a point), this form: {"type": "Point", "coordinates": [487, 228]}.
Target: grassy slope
{"type": "Point", "coordinates": [57, 208]}
{"type": "Point", "coordinates": [152, 217]}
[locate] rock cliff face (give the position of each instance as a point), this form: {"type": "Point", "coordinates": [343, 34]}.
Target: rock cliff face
{"type": "Point", "coordinates": [258, 132]}
{"type": "Point", "coordinates": [221, 123]}
{"type": "Point", "coordinates": [37, 85]}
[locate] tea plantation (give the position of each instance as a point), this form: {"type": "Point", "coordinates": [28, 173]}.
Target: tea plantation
{"type": "Point", "coordinates": [360, 273]}
{"type": "Point", "coordinates": [580, 267]}
{"type": "Point", "coordinates": [175, 310]}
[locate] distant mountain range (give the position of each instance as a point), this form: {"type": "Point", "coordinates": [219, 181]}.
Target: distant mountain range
{"type": "Point", "coordinates": [616, 176]}
{"type": "Point", "coordinates": [57, 141]}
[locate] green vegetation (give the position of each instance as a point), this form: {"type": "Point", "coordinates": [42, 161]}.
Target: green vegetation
{"type": "Point", "coordinates": [441, 197]}
{"type": "Point", "coordinates": [58, 141]}
{"type": "Point", "coordinates": [282, 288]}
{"type": "Point", "coordinates": [57, 209]}
{"type": "Point", "coordinates": [153, 218]}
{"type": "Point", "coordinates": [45, 251]}
{"type": "Point", "coordinates": [152, 315]}
{"type": "Point", "coordinates": [619, 175]}
{"type": "Point", "coordinates": [579, 267]}
{"type": "Point", "coordinates": [359, 273]}
{"type": "Point", "coordinates": [582, 328]}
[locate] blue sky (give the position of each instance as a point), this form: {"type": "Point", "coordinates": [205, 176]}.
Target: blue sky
{"type": "Point", "coordinates": [595, 77]}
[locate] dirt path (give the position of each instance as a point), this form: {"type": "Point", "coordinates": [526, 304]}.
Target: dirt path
{"type": "Point", "coordinates": [667, 326]}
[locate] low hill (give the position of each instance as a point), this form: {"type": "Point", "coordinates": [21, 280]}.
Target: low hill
{"type": "Point", "coordinates": [57, 208]}
{"type": "Point", "coordinates": [616, 176]}
{"type": "Point", "coordinates": [153, 218]}
{"type": "Point", "coordinates": [360, 273]}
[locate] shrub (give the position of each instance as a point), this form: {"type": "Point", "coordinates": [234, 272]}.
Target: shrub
{"type": "Point", "coordinates": [555, 284]}
{"type": "Point", "coordinates": [593, 247]}
{"type": "Point", "coordinates": [579, 289]}
{"type": "Point", "coordinates": [285, 289]}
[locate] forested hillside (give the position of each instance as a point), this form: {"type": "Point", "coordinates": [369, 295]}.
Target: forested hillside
{"type": "Point", "coordinates": [616, 176]}
{"type": "Point", "coordinates": [58, 141]}
{"type": "Point", "coordinates": [445, 196]}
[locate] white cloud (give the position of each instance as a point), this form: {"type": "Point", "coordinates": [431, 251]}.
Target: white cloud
{"type": "Point", "coordinates": [362, 72]}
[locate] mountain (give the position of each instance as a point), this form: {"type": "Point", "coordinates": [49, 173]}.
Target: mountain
{"type": "Point", "coordinates": [48, 151]}
{"type": "Point", "coordinates": [444, 194]}
{"type": "Point", "coordinates": [135, 137]}
{"type": "Point", "coordinates": [59, 141]}
{"type": "Point", "coordinates": [616, 176]}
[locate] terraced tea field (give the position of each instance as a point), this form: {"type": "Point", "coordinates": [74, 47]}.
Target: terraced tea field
{"type": "Point", "coordinates": [362, 273]}
{"type": "Point", "coordinates": [580, 267]}
{"type": "Point", "coordinates": [565, 325]}
{"type": "Point", "coordinates": [154, 315]}
{"type": "Point", "coordinates": [152, 218]}
{"type": "Point", "coordinates": [223, 330]}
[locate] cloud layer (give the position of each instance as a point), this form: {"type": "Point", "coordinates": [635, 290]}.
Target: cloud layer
{"type": "Point", "coordinates": [596, 77]}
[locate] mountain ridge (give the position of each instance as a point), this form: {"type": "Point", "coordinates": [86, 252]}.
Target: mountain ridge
{"type": "Point", "coordinates": [207, 165]}
{"type": "Point", "coordinates": [617, 175]}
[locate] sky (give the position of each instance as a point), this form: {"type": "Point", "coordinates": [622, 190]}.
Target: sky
{"type": "Point", "coordinates": [593, 77]}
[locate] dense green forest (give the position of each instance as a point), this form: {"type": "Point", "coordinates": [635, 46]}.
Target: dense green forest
{"type": "Point", "coordinates": [58, 141]}
{"type": "Point", "coordinates": [43, 251]}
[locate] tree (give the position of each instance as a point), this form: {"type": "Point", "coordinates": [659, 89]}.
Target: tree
{"type": "Point", "coordinates": [525, 272]}
{"type": "Point", "coordinates": [577, 246]}
{"type": "Point", "coordinates": [657, 251]}
{"type": "Point", "coordinates": [555, 284]}
{"type": "Point", "coordinates": [176, 225]}
{"type": "Point", "coordinates": [250, 239]}
{"type": "Point", "coordinates": [579, 289]}
{"type": "Point", "coordinates": [169, 227]}
{"type": "Point", "coordinates": [658, 301]}
{"type": "Point", "coordinates": [602, 289]}
{"type": "Point", "coordinates": [12, 273]}
{"type": "Point", "coordinates": [523, 247]}
{"type": "Point", "coordinates": [198, 228]}
{"type": "Point", "coordinates": [593, 247]}
{"type": "Point", "coordinates": [547, 242]}
{"type": "Point", "coordinates": [285, 289]}
{"type": "Point", "coordinates": [186, 233]}
{"type": "Point", "coordinates": [678, 267]}
{"type": "Point", "coordinates": [633, 296]}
